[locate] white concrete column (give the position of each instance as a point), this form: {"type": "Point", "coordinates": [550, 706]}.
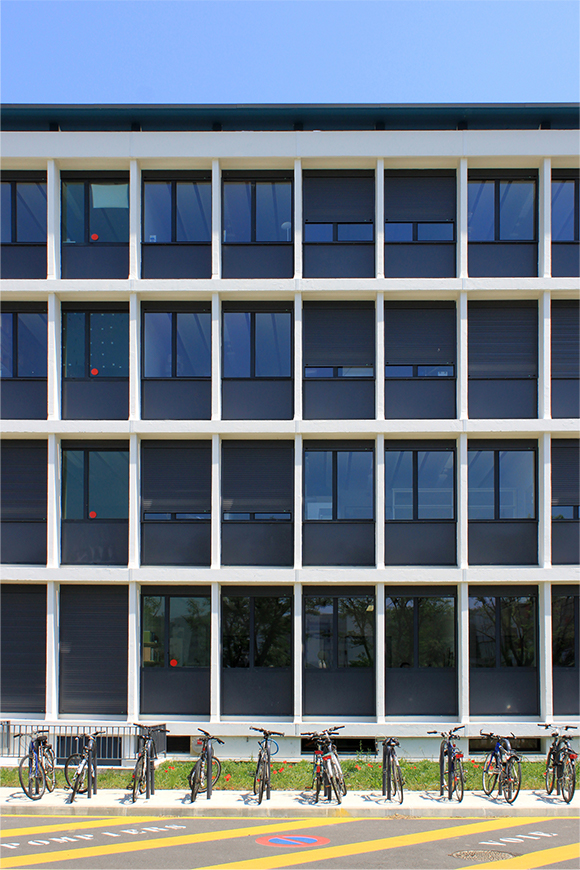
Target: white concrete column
{"type": "Point", "coordinates": [52, 220]}
{"type": "Point", "coordinates": [134, 662]}
{"type": "Point", "coordinates": [462, 358]}
{"type": "Point", "coordinates": [545, 652]}
{"type": "Point", "coordinates": [216, 527]}
{"type": "Point", "coordinates": [216, 219]}
{"type": "Point", "coordinates": [545, 219]}
{"type": "Point", "coordinates": [298, 465]}
{"type": "Point", "coordinates": [298, 218]}
{"type": "Point", "coordinates": [134, 219]}
{"type": "Point", "coordinates": [380, 651]}
{"type": "Point", "coordinates": [462, 219]}
{"type": "Point", "coordinates": [52, 641]}
{"type": "Point", "coordinates": [380, 218]}
{"type": "Point", "coordinates": [54, 363]}
{"type": "Point", "coordinates": [380, 357]}
{"type": "Point", "coordinates": [298, 356]}
{"type": "Point", "coordinates": [216, 358]}
{"type": "Point", "coordinates": [462, 500]}
{"type": "Point", "coordinates": [545, 357]}
{"type": "Point", "coordinates": [463, 650]}
{"type": "Point", "coordinates": [134, 503]}
{"type": "Point", "coordinates": [298, 652]}
{"type": "Point", "coordinates": [134, 357]}
{"type": "Point", "coordinates": [215, 669]}
{"type": "Point", "coordinates": [545, 500]}
{"type": "Point", "coordinates": [380, 502]}
{"type": "Point", "coordinates": [53, 503]}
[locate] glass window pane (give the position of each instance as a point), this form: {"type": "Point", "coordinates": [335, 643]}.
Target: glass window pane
{"type": "Point", "coordinates": [355, 232]}
{"type": "Point", "coordinates": [356, 632]}
{"type": "Point", "coordinates": [436, 371]}
{"type": "Point", "coordinates": [318, 631]}
{"type": "Point", "coordinates": [109, 340]}
{"type": "Point", "coordinates": [435, 485]}
{"type": "Point", "coordinates": [153, 631]}
{"type": "Point", "coordinates": [563, 211]}
{"type": "Point", "coordinates": [562, 512]}
{"type": "Point", "coordinates": [355, 371]}
{"type": "Point", "coordinates": [518, 632]}
{"type": "Point", "coordinates": [193, 345]}
{"type": "Point", "coordinates": [73, 212]}
{"type": "Point", "coordinates": [237, 212]}
{"type": "Point", "coordinates": [272, 515]}
{"type": "Point", "coordinates": [398, 232]}
{"type": "Point", "coordinates": [237, 348]}
{"type": "Point", "coordinates": [73, 344]}
{"type": "Point", "coordinates": [109, 484]}
{"type": "Point", "coordinates": [32, 345]}
{"type": "Point", "coordinates": [398, 485]}
{"type": "Point", "coordinates": [435, 232]}
{"type": "Point", "coordinates": [319, 372]}
{"type": "Point", "coordinates": [516, 210]}
{"type": "Point", "coordinates": [516, 485]}
{"type": "Point", "coordinates": [236, 516]}
{"type": "Point", "coordinates": [354, 483]}
{"type": "Point", "coordinates": [6, 213]}
{"type": "Point", "coordinates": [480, 485]}
{"type": "Point", "coordinates": [482, 632]}
{"type": "Point", "coordinates": [189, 632]}
{"type": "Point", "coordinates": [399, 632]}
{"type": "Point", "coordinates": [73, 485]}
{"type": "Point", "coordinates": [6, 345]}
{"type": "Point", "coordinates": [31, 212]}
{"type": "Point", "coordinates": [109, 212]}
{"type": "Point", "coordinates": [436, 632]}
{"type": "Point", "coordinates": [157, 344]}
{"type": "Point", "coordinates": [273, 211]}
{"type": "Point", "coordinates": [193, 211]}
{"type": "Point", "coordinates": [481, 211]}
{"type": "Point", "coordinates": [235, 632]}
{"type": "Point", "coordinates": [157, 211]}
{"type": "Point", "coordinates": [318, 232]}
{"type": "Point", "coordinates": [273, 632]}
{"type": "Point", "coordinates": [273, 345]}
{"type": "Point", "coordinates": [318, 485]}
{"type": "Point", "coordinates": [563, 631]}
{"type": "Point", "coordinates": [398, 371]}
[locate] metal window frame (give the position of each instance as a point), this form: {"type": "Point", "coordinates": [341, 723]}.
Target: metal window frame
{"type": "Point", "coordinates": [252, 179]}
{"type": "Point", "coordinates": [325, 448]}
{"type": "Point", "coordinates": [173, 178]}
{"type": "Point", "coordinates": [414, 448]}
{"type": "Point", "coordinates": [111, 447]}
{"type": "Point", "coordinates": [167, 594]}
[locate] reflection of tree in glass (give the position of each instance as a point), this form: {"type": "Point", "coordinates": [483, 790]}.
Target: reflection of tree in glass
{"type": "Point", "coordinates": [318, 632]}
{"type": "Point", "coordinates": [518, 632]}
{"type": "Point", "coordinates": [272, 632]}
{"type": "Point", "coordinates": [198, 621]}
{"type": "Point", "coordinates": [236, 632]}
{"type": "Point", "coordinates": [356, 632]}
{"type": "Point", "coordinates": [482, 632]}
{"type": "Point", "coordinates": [399, 632]}
{"type": "Point", "coordinates": [563, 631]}
{"type": "Point", "coordinates": [153, 630]}
{"type": "Point", "coordinates": [436, 632]}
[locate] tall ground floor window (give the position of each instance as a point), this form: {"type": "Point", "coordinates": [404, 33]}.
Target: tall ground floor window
{"type": "Point", "coordinates": [565, 648]}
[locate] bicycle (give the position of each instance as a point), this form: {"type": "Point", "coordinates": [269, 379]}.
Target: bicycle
{"type": "Point", "coordinates": [325, 765]}
{"type": "Point", "coordinates": [450, 765]}
{"type": "Point", "coordinates": [392, 777]}
{"type": "Point", "coordinates": [80, 771]}
{"type": "Point", "coordinates": [262, 774]}
{"type": "Point", "coordinates": [37, 769]}
{"type": "Point", "coordinates": [561, 763]}
{"type": "Point", "coordinates": [502, 767]}
{"type": "Point", "coordinates": [199, 778]}
{"type": "Point", "coordinates": [143, 779]}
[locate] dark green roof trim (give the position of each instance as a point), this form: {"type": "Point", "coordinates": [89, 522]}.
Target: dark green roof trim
{"type": "Point", "coordinates": [482, 116]}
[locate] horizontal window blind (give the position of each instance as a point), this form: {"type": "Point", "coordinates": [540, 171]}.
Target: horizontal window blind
{"type": "Point", "coordinates": [23, 480]}
{"type": "Point", "coordinates": [565, 339]}
{"type": "Point", "coordinates": [23, 648]}
{"type": "Point", "coordinates": [339, 199]}
{"type": "Point", "coordinates": [339, 336]}
{"type": "Point", "coordinates": [502, 341]}
{"type": "Point", "coordinates": [258, 477]}
{"type": "Point", "coordinates": [420, 198]}
{"type": "Point", "coordinates": [420, 336]}
{"type": "Point", "coordinates": [565, 473]}
{"type": "Point", "coordinates": [176, 479]}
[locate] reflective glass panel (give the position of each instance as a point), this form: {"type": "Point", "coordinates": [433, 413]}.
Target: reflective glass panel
{"type": "Point", "coordinates": [153, 631]}
{"type": "Point", "coordinates": [73, 344]}
{"type": "Point", "coordinates": [516, 210]}
{"type": "Point", "coordinates": [31, 212]}
{"type": "Point", "coordinates": [398, 485]}
{"type": "Point", "coordinates": [237, 345]}
{"type": "Point", "coordinates": [73, 485]}
{"type": "Point", "coordinates": [73, 212]}
{"type": "Point", "coordinates": [201, 516]}
{"type": "Point", "coordinates": [355, 232]}
{"type": "Point", "coordinates": [109, 344]}
{"type": "Point", "coordinates": [435, 485]}
{"type": "Point", "coordinates": [318, 232]}
{"type": "Point", "coordinates": [237, 212]}
{"type": "Point", "coordinates": [436, 618]}
{"type": "Point", "coordinates": [356, 631]}
{"type": "Point", "coordinates": [6, 212]}
{"type": "Point", "coordinates": [562, 512]}
{"type": "Point", "coordinates": [193, 344]}
{"type": "Point", "coordinates": [481, 488]}
{"type": "Point", "coordinates": [235, 632]}
{"type": "Point", "coordinates": [318, 631]}
{"type": "Point", "coordinates": [273, 516]}
{"type": "Point", "coordinates": [399, 623]}
{"type": "Point", "coordinates": [398, 232]}
{"type": "Point", "coordinates": [563, 631]}
{"type": "Point", "coordinates": [481, 211]}
{"type": "Point", "coordinates": [6, 345]}
{"type": "Point", "coordinates": [436, 371]}
{"type": "Point", "coordinates": [273, 632]}
{"type": "Point", "coordinates": [355, 371]}
{"type": "Point", "coordinates": [109, 212]}
{"type": "Point", "coordinates": [518, 632]}
{"type": "Point", "coordinates": [273, 345]}
{"type": "Point", "coordinates": [482, 632]}
{"type": "Point", "coordinates": [435, 232]}
{"type": "Point", "coordinates": [157, 344]}
{"type": "Point", "coordinates": [318, 485]}
{"type": "Point", "coordinates": [354, 484]}
{"type": "Point", "coordinates": [109, 484]}
{"type": "Point", "coordinates": [398, 371]}
{"type": "Point", "coordinates": [563, 211]}
{"type": "Point", "coordinates": [516, 485]}
{"type": "Point", "coordinates": [193, 211]}
{"type": "Point", "coordinates": [157, 211]}
{"type": "Point", "coordinates": [273, 211]}
{"type": "Point", "coordinates": [319, 372]}
{"type": "Point", "coordinates": [32, 345]}
{"type": "Point", "coordinates": [189, 632]}
{"type": "Point", "coordinates": [236, 515]}
{"type": "Point", "coordinates": [158, 517]}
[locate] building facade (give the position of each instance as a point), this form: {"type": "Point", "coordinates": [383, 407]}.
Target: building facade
{"type": "Point", "coordinates": [290, 402]}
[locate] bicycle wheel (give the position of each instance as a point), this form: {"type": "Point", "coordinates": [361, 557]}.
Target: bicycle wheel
{"type": "Point", "coordinates": [332, 781]}
{"type": "Point", "coordinates": [317, 785]}
{"type": "Point", "coordinates": [264, 778]}
{"type": "Point", "coordinates": [397, 782]}
{"type": "Point", "coordinates": [489, 774]}
{"type": "Point", "coordinates": [216, 769]}
{"type": "Point", "coordinates": [80, 785]}
{"type": "Point", "coordinates": [518, 778]}
{"type": "Point", "coordinates": [49, 765]}
{"type": "Point", "coordinates": [458, 781]}
{"type": "Point", "coordinates": [258, 773]}
{"type": "Point", "coordinates": [510, 792]}
{"type": "Point", "coordinates": [195, 778]}
{"type": "Point", "coordinates": [70, 768]}
{"type": "Point", "coordinates": [550, 773]}
{"type": "Point", "coordinates": [139, 777]}
{"type": "Point", "coordinates": [338, 773]}
{"type": "Point", "coordinates": [568, 780]}
{"type": "Point", "coordinates": [32, 778]}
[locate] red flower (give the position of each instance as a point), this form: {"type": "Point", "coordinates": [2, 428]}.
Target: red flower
{"type": "Point", "coordinates": [281, 769]}
{"type": "Point", "coordinates": [370, 765]}
{"type": "Point", "coordinates": [228, 777]}
{"type": "Point", "coordinates": [171, 768]}
{"type": "Point", "coordinates": [357, 766]}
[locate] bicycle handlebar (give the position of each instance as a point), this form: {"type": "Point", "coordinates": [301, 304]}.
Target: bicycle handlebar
{"type": "Point", "coordinates": [447, 734]}
{"type": "Point", "coordinates": [209, 736]}
{"type": "Point", "coordinates": [32, 736]}
{"type": "Point", "coordinates": [267, 733]}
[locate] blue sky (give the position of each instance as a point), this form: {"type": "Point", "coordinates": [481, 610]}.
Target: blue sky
{"type": "Point", "coordinates": [289, 51]}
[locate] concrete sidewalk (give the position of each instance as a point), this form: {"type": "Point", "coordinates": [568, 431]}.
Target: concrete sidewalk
{"type": "Point", "coordinates": [285, 804]}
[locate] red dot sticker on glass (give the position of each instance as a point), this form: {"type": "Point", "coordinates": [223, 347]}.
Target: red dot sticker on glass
{"type": "Point", "coordinates": [173, 663]}
{"type": "Point", "coordinates": [95, 237]}
{"type": "Point", "coordinates": [94, 371]}
{"type": "Point", "coordinates": [92, 514]}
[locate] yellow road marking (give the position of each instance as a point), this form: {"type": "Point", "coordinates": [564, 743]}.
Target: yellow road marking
{"type": "Point", "coordinates": [164, 842]}
{"type": "Point", "coordinates": [66, 826]}
{"type": "Point", "coordinates": [543, 858]}
{"type": "Point", "coordinates": [361, 848]}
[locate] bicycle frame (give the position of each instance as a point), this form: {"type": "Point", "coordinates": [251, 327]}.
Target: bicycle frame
{"type": "Point", "coordinates": [559, 749]}
{"type": "Point", "coordinates": [388, 755]}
